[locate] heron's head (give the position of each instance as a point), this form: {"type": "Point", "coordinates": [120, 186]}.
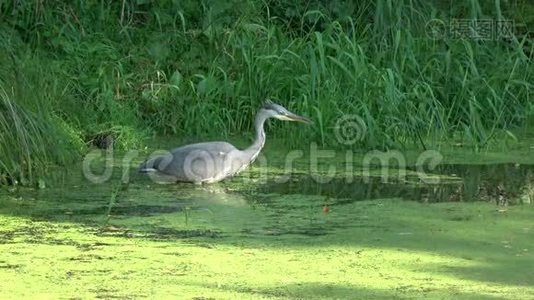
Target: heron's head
{"type": "Point", "coordinates": [281, 113]}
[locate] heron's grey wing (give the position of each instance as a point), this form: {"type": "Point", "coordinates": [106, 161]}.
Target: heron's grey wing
{"type": "Point", "coordinates": [155, 162]}
{"type": "Point", "coordinates": [196, 162]}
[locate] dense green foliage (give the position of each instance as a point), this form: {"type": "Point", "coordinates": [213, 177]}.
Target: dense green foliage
{"type": "Point", "coordinates": [72, 69]}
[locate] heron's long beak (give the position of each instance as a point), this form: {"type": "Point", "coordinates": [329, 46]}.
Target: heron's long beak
{"type": "Point", "coordinates": [297, 118]}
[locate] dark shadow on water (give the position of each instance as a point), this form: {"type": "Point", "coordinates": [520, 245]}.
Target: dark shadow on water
{"type": "Point", "coordinates": [138, 210]}
{"type": "Point", "coordinates": [321, 290]}
{"type": "Point", "coordinates": [161, 233]}
{"type": "Point", "coordinates": [499, 183]}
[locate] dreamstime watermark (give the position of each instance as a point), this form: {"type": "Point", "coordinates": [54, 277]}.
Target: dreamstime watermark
{"type": "Point", "coordinates": [323, 164]}
{"type": "Point", "coordinates": [474, 29]}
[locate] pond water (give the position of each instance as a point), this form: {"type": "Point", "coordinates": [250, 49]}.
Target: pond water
{"type": "Point", "coordinates": [276, 205]}
{"type": "Point", "coordinates": [283, 236]}
{"type": "Point", "coordinates": [501, 183]}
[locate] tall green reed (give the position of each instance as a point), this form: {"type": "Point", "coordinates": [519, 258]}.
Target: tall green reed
{"type": "Point", "coordinates": [199, 71]}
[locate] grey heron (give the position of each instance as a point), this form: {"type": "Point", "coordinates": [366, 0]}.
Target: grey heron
{"type": "Point", "coordinates": [214, 161]}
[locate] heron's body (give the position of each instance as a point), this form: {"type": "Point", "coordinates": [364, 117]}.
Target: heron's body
{"type": "Point", "coordinates": [214, 161]}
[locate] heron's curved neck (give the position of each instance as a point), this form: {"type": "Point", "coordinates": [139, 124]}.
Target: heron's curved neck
{"type": "Point", "coordinates": [259, 141]}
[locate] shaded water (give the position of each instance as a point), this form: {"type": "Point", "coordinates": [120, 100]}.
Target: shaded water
{"type": "Point", "coordinates": [501, 183]}
{"type": "Point", "coordinates": [242, 207]}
